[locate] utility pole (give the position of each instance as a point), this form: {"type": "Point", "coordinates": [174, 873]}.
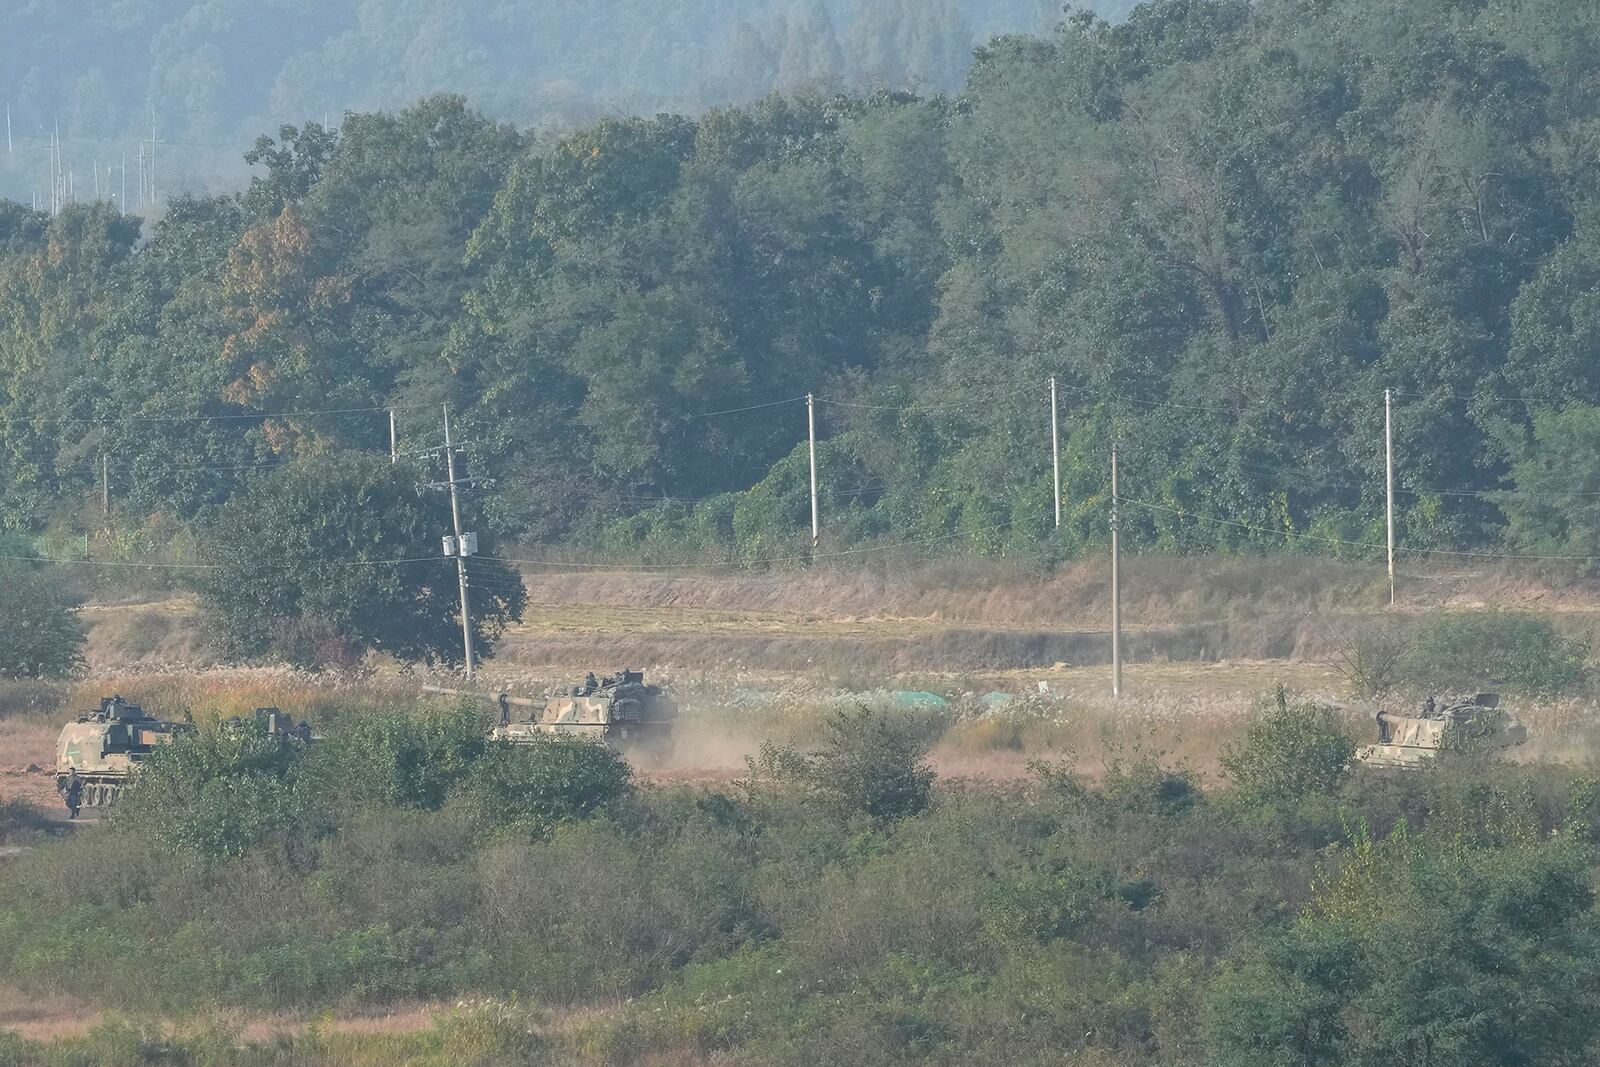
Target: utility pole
{"type": "Point", "coordinates": [1116, 586]}
{"type": "Point", "coordinates": [152, 153]}
{"type": "Point", "coordinates": [1055, 446]}
{"type": "Point", "coordinates": [105, 488]}
{"type": "Point", "coordinates": [811, 424]}
{"type": "Point", "coordinates": [460, 544]}
{"type": "Point", "coordinates": [1388, 456]}
{"type": "Point", "coordinates": [394, 440]}
{"type": "Point", "coordinates": [8, 128]}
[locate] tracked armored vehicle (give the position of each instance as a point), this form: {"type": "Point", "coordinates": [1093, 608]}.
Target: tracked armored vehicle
{"type": "Point", "coordinates": [620, 709]}
{"type": "Point", "coordinates": [107, 747]}
{"type": "Point", "coordinates": [275, 724]}
{"type": "Point", "coordinates": [1443, 724]}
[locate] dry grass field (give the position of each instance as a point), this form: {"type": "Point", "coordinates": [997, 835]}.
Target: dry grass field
{"type": "Point", "coordinates": [768, 656]}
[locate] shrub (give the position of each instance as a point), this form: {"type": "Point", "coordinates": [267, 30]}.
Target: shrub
{"type": "Point", "coordinates": [398, 758]}
{"type": "Point", "coordinates": [868, 765]}
{"type": "Point", "coordinates": [1423, 954]}
{"type": "Point", "coordinates": [1371, 657]}
{"type": "Point", "coordinates": [20, 821]}
{"type": "Point", "coordinates": [41, 637]}
{"type": "Point", "coordinates": [552, 780]}
{"type": "Point", "coordinates": [1291, 749]}
{"type": "Point", "coordinates": [217, 794]}
{"type": "Point", "coordinates": [1143, 784]}
{"type": "Point", "coordinates": [1519, 652]}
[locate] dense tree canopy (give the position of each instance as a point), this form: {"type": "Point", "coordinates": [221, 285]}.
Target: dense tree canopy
{"type": "Point", "coordinates": [324, 559]}
{"type": "Point", "coordinates": [1225, 227]}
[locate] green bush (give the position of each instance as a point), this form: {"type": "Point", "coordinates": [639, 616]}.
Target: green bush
{"type": "Point", "coordinates": [552, 780]}
{"type": "Point", "coordinates": [1290, 750]}
{"type": "Point", "coordinates": [868, 764]}
{"type": "Point", "coordinates": [1420, 952]}
{"type": "Point", "coordinates": [397, 757]}
{"type": "Point", "coordinates": [1499, 650]}
{"type": "Point", "coordinates": [41, 637]}
{"type": "Point", "coordinates": [218, 793]}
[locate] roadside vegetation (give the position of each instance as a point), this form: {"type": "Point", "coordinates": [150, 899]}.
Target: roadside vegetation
{"type": "Point", "coordinates": [835, 905]}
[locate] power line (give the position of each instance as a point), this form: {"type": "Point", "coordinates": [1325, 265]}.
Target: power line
{"type": "Point", "coordinates": [112, 420]}
{"type": "Point", "coordinates": [752, 407]}
{"type": "Point", "coordinates": [997, 393]}
{"type": "Point", "coordinates": [1483, 396]}
{"type": "Point", "coordinates": [215, 566]}
{"type": "Point", "coordinates": [867, 549]}
{"type": "Point", "coordinates": [1373, 545]}
{"type": "Point", "coordinates": [127, 462]}
{"type": "Point", "coordinates": [1123, 398]}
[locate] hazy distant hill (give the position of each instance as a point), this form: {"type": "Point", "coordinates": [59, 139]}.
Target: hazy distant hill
{"type": "Point", "coordinates": [218, 72]}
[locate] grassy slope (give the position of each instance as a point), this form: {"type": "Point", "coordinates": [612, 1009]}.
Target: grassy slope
{"type": "Point", "coordinates": [958, 616]}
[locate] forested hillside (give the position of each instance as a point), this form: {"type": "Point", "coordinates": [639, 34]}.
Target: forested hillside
{"type": "Point", "coordinates": [1226, 227]}
{"type": "Point", "coordinates": [211, 74]}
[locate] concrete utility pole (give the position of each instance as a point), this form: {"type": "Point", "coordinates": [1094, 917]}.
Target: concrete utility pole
{"type": "Point", "coordinates": [811, 424]}
{"type": "Point", "coordinates": [1055, 446]}
{"type": "Point", "coordinates": [1388, 454]}
{"type": "Point", "coordinates": [105, 488]}
{"type": "Point", "coordinates": [394, 440]}
{"type": "Point", "coordinates": [460, 552]}
{"type": "Point", "coordinates": [1116, 586]}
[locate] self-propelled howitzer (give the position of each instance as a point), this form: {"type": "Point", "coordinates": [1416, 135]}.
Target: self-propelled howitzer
{"type": "Point", "coordinates": [620, 709]}
{"type": "Point", "coordinates": [1473, 723]}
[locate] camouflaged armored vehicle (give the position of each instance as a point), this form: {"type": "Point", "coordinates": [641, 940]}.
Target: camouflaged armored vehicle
{"type": "Point", "coordinates": [1443, 724]}
{"type": "Point", "coordinates": [620, 709]}
{"type": "Point", "coordinates": [107, 747]}
{"type": "Point", "coordinates": [275, 724]}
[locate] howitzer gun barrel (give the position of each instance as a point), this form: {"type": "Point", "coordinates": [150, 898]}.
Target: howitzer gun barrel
{"type": "Point", "coordinates": [492, 698]}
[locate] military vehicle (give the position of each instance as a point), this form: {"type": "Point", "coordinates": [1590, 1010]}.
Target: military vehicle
{"type": "Point", "coordinates": [107, 747]}
{"type": "Point", "coordinates": [620, 709]}
{"type": "Point", "coordinates": [1443, 724]}
{"type": "Point", "coordinates": [276, 724]}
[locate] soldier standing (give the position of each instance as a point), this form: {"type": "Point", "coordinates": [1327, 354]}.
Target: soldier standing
{"type": "Point", "coordinates": [72, 792]}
